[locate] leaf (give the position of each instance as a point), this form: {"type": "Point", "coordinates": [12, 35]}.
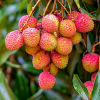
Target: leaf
{"type": "Point", "coordinates": [84, 11]}
{"type": "Point", "coordinates": [77, 3]}
{"type": "Point", "coordinates": [21, 86]}
{"type": "Point", "coordinates": [41, 6]}
{"type": "Point", "coordinates": [6, 53]}
{"type": "Point", "coordinates": [29, 7]}
{"type": "Point", "coordinates": [70, 2]}
{"type": "Point", "coordinates": [98, 13]}
{"type": "Point", "coordinates": [80, 87]}
{"type": "Point", "coordinates": [96, 88]}
{"type": "Point", "coordinates": [33, 87]}
{"type": "Point", "coordinates": [5, 91]}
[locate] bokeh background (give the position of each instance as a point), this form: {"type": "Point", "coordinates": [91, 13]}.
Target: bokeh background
{"type": "Point", "coordinates": [17, 74]}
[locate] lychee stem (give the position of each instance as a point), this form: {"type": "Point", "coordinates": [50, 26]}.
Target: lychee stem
{"type": "Point", "coordinates": [54, 6]}
{"type": "Point", "coordinates": [33, 8]}
{"type": "Point", "coordinates": [46, 8]}
{"type": "Point", "coordinates": [93, 48]}
{"type": "Point", "coordinates": [63, 7]}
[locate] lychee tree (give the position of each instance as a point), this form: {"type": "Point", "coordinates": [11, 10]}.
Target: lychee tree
{"type": "Point", "coordinates": [49, 49]}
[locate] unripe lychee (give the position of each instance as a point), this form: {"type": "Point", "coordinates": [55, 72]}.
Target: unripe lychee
{"type": "Point", "coordinates": [72, 15]}
{"type": "Point", "coordinates": [64, 46]}
{"type": "Point", "coordinates": [14, 40]}
{"type": "Point", "coordinates": [76, 38]}
{"type": "Point", "coordinates": [46, 80]}
{"type": "Point", "coordinates": [50, 23]}
{"type": "Point", "coordinates": [48, 42]}
{"type": "Point", "coordinates": [31, 36]}
{"type": "Point", "coordinates": [32, 50]}
{"type": "Point", "coordinates": [84, 23]}
{"type": "Point", "coordinates": [93, 76]}
{"type": "Point", "coordinates": [90, 62]}
{"type": "Point", "coordinates": [67, 28]}
{"type": "Point", "coordinates": [59, 60]}
{"type": "Point", "coordinates": [40, 59]}
{"type": "Point", "coordinates": [89, 86]}
{"type": "Point", "coordinates": [31, 23]}
{"type": "Point", "coordinates": [53, 69]}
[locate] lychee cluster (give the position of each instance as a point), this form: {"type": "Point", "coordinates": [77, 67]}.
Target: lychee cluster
{"type": "Point", "coordinates": [49, 42]}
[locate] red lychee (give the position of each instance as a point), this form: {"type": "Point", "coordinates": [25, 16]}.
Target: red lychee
{"type": "Point", "coordinates": [46, 80]}
{"type": "Point", "coordinates": [84, 23]}
{"type": "Point", "coordinates": [93, 76]}
{"type": "Point", "coordinates": [31, 23]}
{"type": "Point", "coordinates": [40, 59]}
{"type": "Point", "coordinates": [14, 40]}
{"type": "Point", "coordinates": [59, 60]}
{"type": "Point", "coordinates": [31, 37]}
{"type": "Point", "coordinates": [64, 46]}
{"type": "Point", "coordinates": [46, 68]}
{"type": "Point", "coordinates": [67, 28]}
{"type": "Point", "coordinates": [50, 23]}
{"type": "Point", "coordinates": [48, 42]}
{"type": "Point", "coordinates": [90, 62]}
{"type": "Point", "coordinates": [72, 15]}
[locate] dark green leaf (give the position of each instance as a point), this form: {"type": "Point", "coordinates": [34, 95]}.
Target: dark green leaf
{"type": "Point", "coordinates": [98, 13]}
{"type": "Point", "coordinates": [96, 88]}
{"type": "Point", "coordinates": [33, 87]}
{"type": "Point", "coordinates": [5, 91]}
{"type": "Point", "coordinates": [80, 87]}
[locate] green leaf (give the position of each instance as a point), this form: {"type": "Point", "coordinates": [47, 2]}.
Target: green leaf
{"type": "Point", "coordinates": [96, 88]}
{"type": "Point", "coordinates": [29, 7]}
{"type": "Point", "coordinates": [80, 87]}
{"type": "Point", "coordinates": [84, 11]}
{"type": "Point", "coordinates": [98, 13]}
{"type": "Point", "coordinates": [5, 91]}
{"type": "Point", "coordinates": [4, 54]}
{"type": "Point", "coordinates": [70, 2]}
{"type": "Point", "coordinates": [77, 3]}
{"type": "Point", "coordinates": [33, 87]}
{"type": "Point", "coordinates": [21, 86]}
{"type": "Point", "coordinates": [41, 6]}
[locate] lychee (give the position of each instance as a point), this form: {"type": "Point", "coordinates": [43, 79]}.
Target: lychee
{"type": "Point", "coordinates": [53, 69]}
{"type": "Point", "coordinates": [14, 40]}
{"type": "Point", "coordinates": [50, 23]}
{"type": "Point", "coordinates": [67, 28]}
{"type": "Point", "coordinates": [93, 76]}
{"type": "Point", "coordinates": [39, 26]}
{"type": "Point", "coordinates": [72, 15]}
{"type": "Point", "coordinates": [90, 62]}
{"type": "Point", "coordinates": [76, 38]}
{"type": "Point", "coordinates": [31, 37]}
{"type": "Point", "coordinates": [32, 50]}
{"type": "Point", "coordinates": [59, 60]}
{"type": "Point", "coordinates": [84, 23]}
{"type": "Point", "coordinates": [46, 68]}
{"type": "Point", "coordinates": [48, 42]}
{"type": "Point", "coordinates": [89, 86]}
{"type": "Point", "coordinates": [46, 80]}
{"type": "Point", "coordinates": [40, 59]}
{"type": "Point", "coordinates": [31, 23]}
{"type": "Point", "coordinates": [64, 46]}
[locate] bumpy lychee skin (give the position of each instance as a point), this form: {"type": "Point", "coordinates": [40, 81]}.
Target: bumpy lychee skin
{"type": "Point", "coordinates": [72, 15]}
{"type": "Point", "coordinates": [67, 28]}
{"type": "Point", "coordinates": [31, 36]}
{"type": "Point", "coordinates": [93, 77]}
{"type": "Point", "coordinates": [76, 38]}
{"type": "Point", "coordinates": [50, 23]}
{"type": "Point", "coordinates": [90, 62]}
{"type": "Point", "coordinates": [31, 23]}
{"type": "Point", "coordinates": [59, 60]}
{"type": "Point", "coordinates": [64, 46]}
{"type": "Point", "coordinates": [46, 80]}
{"type": "Point", "coordinates": [89, 85]}
{"type": "Point", "coordinates": [32, 50]}
{"type": "Point", "coordinates": [84, 23]}
{"type": "Point", "coordinates": [40, 59]}
{"type": "Point", "coordinates": [48, 42]}
{"type": "Point", "coordinates": [39, 26]}
{"type": "Point", "coordinates": [14, 40]}
{"type": "Point", "coordinates": [53, 69]}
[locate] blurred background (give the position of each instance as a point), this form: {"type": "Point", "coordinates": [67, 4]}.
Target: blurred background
{"type": "Point", "coordinates": [18, 78]}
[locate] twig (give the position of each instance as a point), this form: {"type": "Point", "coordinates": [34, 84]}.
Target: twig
{"type": "Point", "coordinates": [62, 9]}
{"type": "Point", "coordinates": [54, 6]}
{"type": "Point", "coordinates": [46, 8]}
{"type": "Point", "coordinates": [33, 8]}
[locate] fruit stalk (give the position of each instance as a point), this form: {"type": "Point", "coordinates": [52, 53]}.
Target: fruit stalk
{"type": "Point", "coordinates": [46, 8]}
{"type": "Point", "coordinates": [33, 8]}
{"type": "Point", "coordinates": [62, 9]}
{"type": "Point", "coordinates": [54, 6]}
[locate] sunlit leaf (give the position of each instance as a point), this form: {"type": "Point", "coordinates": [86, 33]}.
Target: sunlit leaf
{"type": "Point", "coordinates": [29, 7]}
